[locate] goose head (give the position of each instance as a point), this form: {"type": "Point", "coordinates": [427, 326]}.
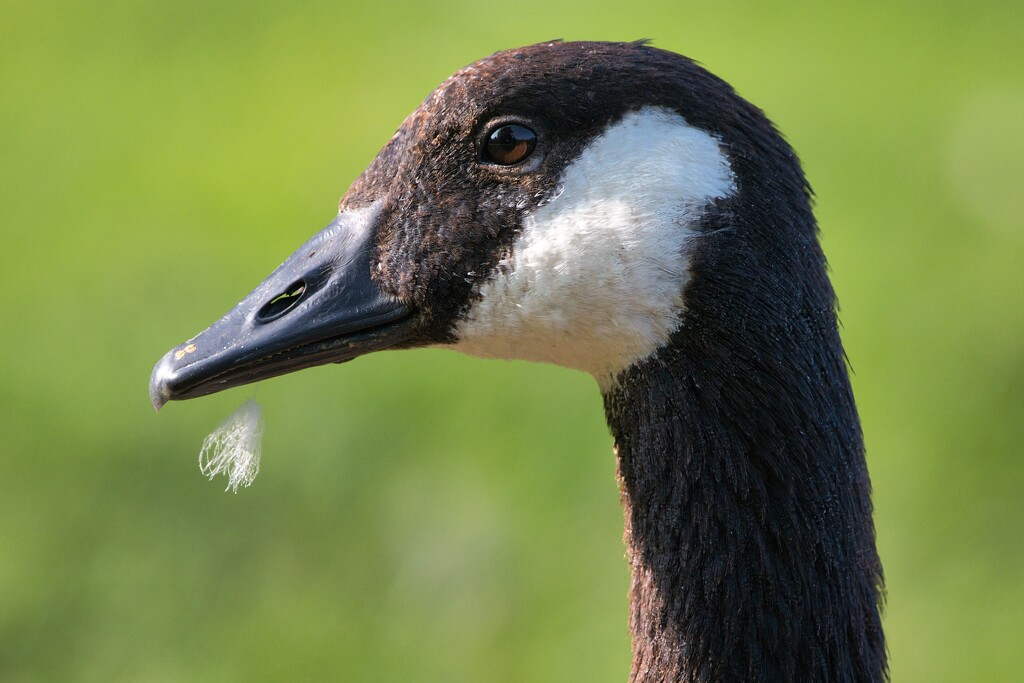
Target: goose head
{"type": "Point", "coordinates": [544, 203]}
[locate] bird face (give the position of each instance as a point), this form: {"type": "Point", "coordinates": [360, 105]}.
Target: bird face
{"type": "Point", "coordinates": [541, 204]}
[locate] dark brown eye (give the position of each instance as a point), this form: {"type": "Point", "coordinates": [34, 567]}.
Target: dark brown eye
{"type": "Point", "coordinates": [509, 144]}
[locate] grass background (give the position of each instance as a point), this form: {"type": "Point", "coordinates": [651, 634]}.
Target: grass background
{"type": "Point", "coordinates": [422, 516]}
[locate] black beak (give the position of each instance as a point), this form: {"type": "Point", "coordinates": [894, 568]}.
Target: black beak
{"type": "Point", "coordinates": [320, 306]}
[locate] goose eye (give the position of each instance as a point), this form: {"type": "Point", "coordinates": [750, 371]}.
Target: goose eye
{"type": "Point", "coordinates": [509, 144]}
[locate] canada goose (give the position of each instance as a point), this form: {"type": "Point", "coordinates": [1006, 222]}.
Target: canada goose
{"type": "Point", "coordinates": [617, 209]}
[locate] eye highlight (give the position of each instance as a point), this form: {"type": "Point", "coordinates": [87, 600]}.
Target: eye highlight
{"type": "Point", "coordinates": [509, 144]}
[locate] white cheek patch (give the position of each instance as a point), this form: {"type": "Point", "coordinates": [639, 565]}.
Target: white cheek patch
{"type": "Point", "coordinates": [595, 279]}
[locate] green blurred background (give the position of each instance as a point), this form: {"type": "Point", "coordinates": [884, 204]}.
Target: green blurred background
{"type": "Point", "coordinates": [423, 516]}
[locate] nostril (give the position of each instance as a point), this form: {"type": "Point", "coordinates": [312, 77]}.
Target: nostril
{"type": "Point", "coordinates": [282, 303]}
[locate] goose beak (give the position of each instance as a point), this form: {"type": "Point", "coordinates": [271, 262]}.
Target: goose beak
{"type": "Point", "coordinates": [320, 306]}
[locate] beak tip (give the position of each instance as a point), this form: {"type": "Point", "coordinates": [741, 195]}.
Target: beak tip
{"type": "Point", "coordinates": [159, 382]}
